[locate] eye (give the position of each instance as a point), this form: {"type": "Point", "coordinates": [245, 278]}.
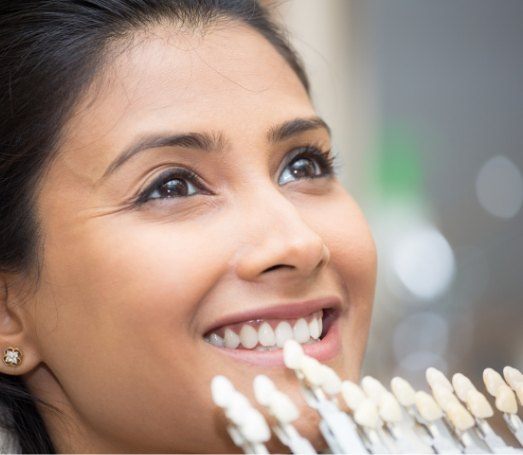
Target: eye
{"type": "Point", "coordinates": [173, 183]}
{"type": "Point", "coordinates": [307, 163]}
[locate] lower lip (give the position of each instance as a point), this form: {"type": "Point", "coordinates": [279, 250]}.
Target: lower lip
{"type": "Point", "coordinates": [322, 350]}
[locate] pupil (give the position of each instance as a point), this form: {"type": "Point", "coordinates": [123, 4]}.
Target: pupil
{"type": "Point", "coordinates": [174, 186]}
{"type": "Point", "coordinates": [302, 168]}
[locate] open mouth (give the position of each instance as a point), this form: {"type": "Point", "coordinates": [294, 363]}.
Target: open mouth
{"type": "Point", "coordinates": [271, 334]}
{"type": "Point", "coordinates": [259, 337]}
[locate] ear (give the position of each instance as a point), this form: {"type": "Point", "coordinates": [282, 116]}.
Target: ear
{"type": "Point", "coordinates": [18, 351]}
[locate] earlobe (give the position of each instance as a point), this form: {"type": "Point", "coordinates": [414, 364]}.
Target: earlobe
{"type": "Point", "coordinates": [17, 350]}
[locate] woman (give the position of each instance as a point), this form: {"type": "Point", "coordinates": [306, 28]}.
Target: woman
{"type": "Point", "coordinates": [167, 190]}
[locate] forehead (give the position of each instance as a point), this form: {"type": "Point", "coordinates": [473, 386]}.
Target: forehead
{"type": "Point", "coordinates": [226, 78]}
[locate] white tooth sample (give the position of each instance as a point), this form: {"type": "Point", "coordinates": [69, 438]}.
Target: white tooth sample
{"type": "Point", "coordinates": [263, 389]}
{"type": "Point", "coordinates": [443, 396]}
{"type": "Point", "coordinates": [216, 340]}
{"type": "Point", "coordinates": [301, 331]}
{"type": "Point", "coordinates": [462, 385]}
{"type": "Point", "coordinates": [352, 394]}
{"type": "Point", "coordinates": [459, 417]}
{"type": "Point", "coordinates": [518, 388]}
{"type": "Point", "coordinates": [373, 388]}
{"type": "Point", "coordinates": [331, 382]}
{"type": "Point", "coordinates": [434, 376]}
{"type": "Point", "coordinates": [478, 405]}
{"type": "Point", "coordinates": [231, 339]}
{"type": "Point", "coordinates": [367, 414]}
{"type": "Point", "coordinates": [248, 336]}
{"type": "Point", "coordinates": [512, 375]}
{"type": "Point", "coordinates": [254, 427]}
{"type": "Point", "coordinates": [493, 381]}
{"type": "Point", "coordinates": [311, 369]}
{"type": "Point", "coordinates": [314, 328]}
{"type": "Point", "coordinates": [389, 408]}
{"type": "Point", "coordinates": [292, 354]}
{"type": "Point", "coordinates": [403, 391]}
{"type": "Point", "coordinates": [283, 333]}
{"type": "Point", "coordinates": [506, 400]}
{"type": "Point", "coordinates": [222, 391]}
{"type": "Point", "coordinates": [283, 408]}
{"type": "Point", "coordinates": [427, 407]}
{"type": "Point", "coordinates": [237, 407]}
{"type": "Point", "coordinates": [266, 335]}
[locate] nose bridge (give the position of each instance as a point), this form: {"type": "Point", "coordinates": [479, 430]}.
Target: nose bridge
{"type": "Point", "coordinates": [274, 233]}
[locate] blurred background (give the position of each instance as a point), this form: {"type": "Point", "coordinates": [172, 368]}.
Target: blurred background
{"type": "Point", "coordinates": [425, 100]}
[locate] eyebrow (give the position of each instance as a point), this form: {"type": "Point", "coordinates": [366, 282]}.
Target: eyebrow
{"type": "Point", "coordinates": [212, 141]}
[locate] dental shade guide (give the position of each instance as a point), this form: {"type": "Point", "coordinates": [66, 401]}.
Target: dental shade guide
{"type": "Point", "coordinates": [247, 427]}
{"type": "Point", "coordinates": [285, 412]}
{"type": "Point", "coordinates": [453, 419]}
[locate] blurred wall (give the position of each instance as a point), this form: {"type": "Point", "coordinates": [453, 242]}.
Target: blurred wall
{"type": "Point", "coordinates": [426, 103]}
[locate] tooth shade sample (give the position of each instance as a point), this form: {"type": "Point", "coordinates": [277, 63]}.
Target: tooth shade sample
{"type": "Point", "coordinates": [283, 408]}
{"type": "Point", "coordinates": [478, 405]}
{"type": "Point", "coordinates": [330, 383]}
{"type": "Point", "coordinates": [231, 339]}
{"type": "Point", "coordinates": [518, 388]}
{"type": "Point", "coordinates": [462, 385]}
{"type": "Point", "coordinates": [367, 414]}
{"type": "Point", "coordinates": [263, 389]}
{"type": "Point", "coordinates": [311, 369]}
{"type": "Point", "coordinates": [292, 354]}
{"type": "Point", "coordinates": [459, 416]}
{"type": "Point", "coordinates": [301, 331]}
{"type": "Point", "coordinates": [248, 336]}
{"type": "Point", "coordinates": [266, 335]}
{"type": "Point", "coordinates": [506, 400]}
{"type": "Point", "coordinates": [444, 396]}
{"type": "Point", "coordinates": [436, 377]}
{"type": "Point", "coordinates": [222, 391]}
{"type": "Point", "coordinates": [254, 427]}
{"type": "Point", "coordinates": [403, 391]}
{"type": "Point", "coordinates": [513, 376]}
{"type": "Point", "coordinates": [389, 408]}
{"type": "Point", "coordinates": [493, 381]}
{"type": "Point", "coordinates": [427, 407]}
{"type": "Point", "coordinates": [373, 388]}
{"type": "Point", "coordinates": [283, 333]}
{"type": "Point", "coordinates": [352, 394]}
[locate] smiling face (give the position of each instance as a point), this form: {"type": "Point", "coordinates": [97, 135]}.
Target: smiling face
{"type": "Point", "coordinates": [240, 224]}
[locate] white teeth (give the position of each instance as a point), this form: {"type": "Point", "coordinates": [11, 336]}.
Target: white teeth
{"type": "Point", "coordinates": [301, 331]}
{"type": "Point", "coordinates": [216, 340]}
{"type": "Point", "coordinates": [266, 335]}
{"type": "Point", "coordinates": [231, 339]}
{"type": "Point", "coordinates": [248, 336]}
{"type": "Point", "coordinates": [315, 325]}
{"type": "Point", "coordinates": [266, 338]}
{"type": "Point", "coordinates": [283, 333]}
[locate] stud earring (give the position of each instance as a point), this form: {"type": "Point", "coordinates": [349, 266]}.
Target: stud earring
{"type": "Point", "coordinates": [12, 356]}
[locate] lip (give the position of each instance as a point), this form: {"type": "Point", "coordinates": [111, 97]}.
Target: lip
{"type": "Point", "coordinates": [322, 350]}
{"type": "Point", "coordinates": [292, 310]}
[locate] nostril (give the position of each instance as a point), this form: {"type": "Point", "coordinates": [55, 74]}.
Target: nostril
{"type": "Point", "coordinates": [276, 267]}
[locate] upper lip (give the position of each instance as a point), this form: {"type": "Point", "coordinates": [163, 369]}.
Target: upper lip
{"type": "Point", "coordinates": [292, 310]}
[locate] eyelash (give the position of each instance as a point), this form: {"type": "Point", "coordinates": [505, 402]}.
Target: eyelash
{"type": "Point", "coordinates": [326, 159]}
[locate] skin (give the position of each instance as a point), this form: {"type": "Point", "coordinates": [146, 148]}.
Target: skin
{"type": "Point", "coordinates": [113, 336]}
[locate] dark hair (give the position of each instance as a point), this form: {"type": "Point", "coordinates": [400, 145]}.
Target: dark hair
{"type": "Point", "coordinates": [50, 50]}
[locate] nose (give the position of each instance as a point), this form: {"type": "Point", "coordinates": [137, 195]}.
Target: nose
{"type": "Point", "coordinates": [277, 241]}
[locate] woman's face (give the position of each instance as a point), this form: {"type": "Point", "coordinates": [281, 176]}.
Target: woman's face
{"type": "Point", "coordinates": [137, 270]}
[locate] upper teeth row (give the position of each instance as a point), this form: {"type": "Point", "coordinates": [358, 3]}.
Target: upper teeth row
{"type": "Point", "coordinates": [265, 337]}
